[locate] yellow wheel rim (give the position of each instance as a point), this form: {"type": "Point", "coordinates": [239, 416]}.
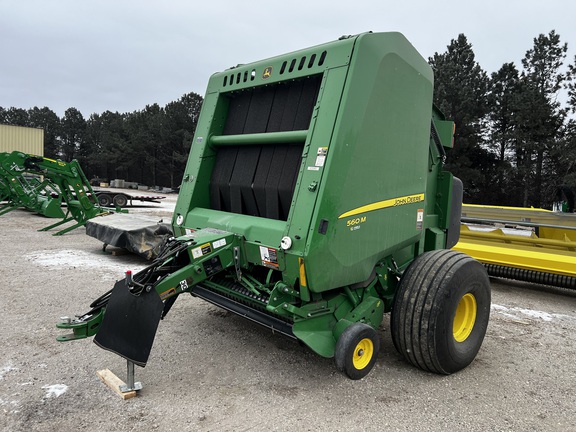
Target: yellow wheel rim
{"type": "Point", "coordinates": [363, 353]}
{"type": "Point", "coordinates": [465, 317]}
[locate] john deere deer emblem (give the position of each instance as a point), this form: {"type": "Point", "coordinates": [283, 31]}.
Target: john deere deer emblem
{"type": "Point", "coordinates": [267, 72]}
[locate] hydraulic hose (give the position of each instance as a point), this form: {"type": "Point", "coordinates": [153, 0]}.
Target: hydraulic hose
{"type": "Point", "coordinates": [144, 275]}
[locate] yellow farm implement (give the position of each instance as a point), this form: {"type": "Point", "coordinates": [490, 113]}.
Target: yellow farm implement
{"type": "Point", "coordinates": [533, 245]}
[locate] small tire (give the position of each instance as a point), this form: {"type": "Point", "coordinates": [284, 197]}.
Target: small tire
{"type": "Point", "coordinates": [104, 200]}
{"type": "Point", "coordinates": [441, 311]}
{"type": "Point", "coordinates": [120, 200]}
{"type": "Point", "coordinates": [357, 350]}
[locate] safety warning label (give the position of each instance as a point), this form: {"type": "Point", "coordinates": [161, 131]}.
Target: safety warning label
{"type": "Point", "coordinates": [419, 219]}
{"type": "Point", "coordinates": [269, 257]}
{"type": "Point", "coordinates": [201, 250]}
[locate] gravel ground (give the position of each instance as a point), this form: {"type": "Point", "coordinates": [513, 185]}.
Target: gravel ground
{"type": "Point", "coordinates": [212, 371]}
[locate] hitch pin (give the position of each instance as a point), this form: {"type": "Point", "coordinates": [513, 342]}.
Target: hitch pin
{"type": "Point", "coordinates": [130, 282]}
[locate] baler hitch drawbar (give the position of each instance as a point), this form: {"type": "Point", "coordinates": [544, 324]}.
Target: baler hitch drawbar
{"type": "Point", "coordinates": [133, 331]}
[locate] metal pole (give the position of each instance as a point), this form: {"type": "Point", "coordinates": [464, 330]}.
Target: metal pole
{"type": "Point", "coordinates": [130, 385]}
{"type": "Point", "coordinates": [130, 378]}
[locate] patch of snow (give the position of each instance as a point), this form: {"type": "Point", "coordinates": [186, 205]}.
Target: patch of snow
{"type": "Point", "coordinates": [12, 403]}
{"type": "Point", "coordinates": [79, 259]}
{"type": "Point", "coordinates": [5, 370]}
{"type": "Point", "coordinates": [55, 390]}
{"type": "Point", "coordinates": [516, 312]}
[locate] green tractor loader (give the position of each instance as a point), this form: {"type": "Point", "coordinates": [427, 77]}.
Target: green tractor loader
{"type": "Point", "coordinates": [19, 188]}
{"type": "Point", "coordinates": [63, 182]}
{"type": "Point", "coordinates": [313, 202]}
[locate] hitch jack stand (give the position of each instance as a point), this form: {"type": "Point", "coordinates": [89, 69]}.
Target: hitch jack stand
{"type": "Point", "coordinates": [124, 390]}
{"type": "Point", "coordinates": [131, 385]}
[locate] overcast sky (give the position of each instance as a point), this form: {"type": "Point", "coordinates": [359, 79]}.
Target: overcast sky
{"type": "Point", "coordinates": [121, 55]}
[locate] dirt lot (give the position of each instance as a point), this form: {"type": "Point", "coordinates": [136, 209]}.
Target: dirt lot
{"type": "Point", "coordinates": [212, 371]}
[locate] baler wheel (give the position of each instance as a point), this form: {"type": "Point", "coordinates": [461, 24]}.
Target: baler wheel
{"type": "Point", "coordinates": [104, 200]}
{"type": "Point", "coordinates": [356, 350]}
{"type": "Point", "coordinates": [441, 311]}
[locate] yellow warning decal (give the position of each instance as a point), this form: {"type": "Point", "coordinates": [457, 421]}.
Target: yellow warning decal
{"type": "Point", "coordinates": [59, 162]}
{"type": "Point", "coordinates": [167, 293]}
{"type": "Point", "coordinates": [201, 250]}
{"type": "Point", "coordinates": [393, 202]}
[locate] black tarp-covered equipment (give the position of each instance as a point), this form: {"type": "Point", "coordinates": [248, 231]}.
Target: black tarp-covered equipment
{"type": "Point", "coordinates": [142, 235]}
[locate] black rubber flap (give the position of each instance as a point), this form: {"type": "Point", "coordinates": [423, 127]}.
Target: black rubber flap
{"type": "Point", "coordinates": [130, 324]}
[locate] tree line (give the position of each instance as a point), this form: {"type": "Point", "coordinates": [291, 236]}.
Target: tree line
{"type": "Point", "coordinates": [515, 140]}
{"type": "Point", "coordinates": [514, 144]}
{"type": "Point", "coordinates": [148, 146]}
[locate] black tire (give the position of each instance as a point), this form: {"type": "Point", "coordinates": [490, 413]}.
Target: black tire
{"type": "Point", "coordinates": [357, 350]}
{"type": "Point", "coordinates": [104, 200]}
{"type": "Point", "coordinates": [120, 200]}
{"type": "Point", "coordinates": [441, 311]}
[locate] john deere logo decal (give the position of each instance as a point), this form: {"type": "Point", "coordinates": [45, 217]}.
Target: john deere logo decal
{"type": "Point", "coordinates": [267, 72]}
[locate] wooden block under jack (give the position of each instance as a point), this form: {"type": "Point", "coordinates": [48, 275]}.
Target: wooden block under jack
{"type": "Point", "coordinates": [114, 383]}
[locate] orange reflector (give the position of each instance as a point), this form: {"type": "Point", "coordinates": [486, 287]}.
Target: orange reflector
{"type": "Point", "coordinates": [302, 272]}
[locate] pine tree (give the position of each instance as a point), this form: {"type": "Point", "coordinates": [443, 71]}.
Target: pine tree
{"type": "Point", "coordinates": [540, 118]}
{"type": "Point", "coordinates": [461, 92]}
{"type": "Point", "coordinates": [504, 85]}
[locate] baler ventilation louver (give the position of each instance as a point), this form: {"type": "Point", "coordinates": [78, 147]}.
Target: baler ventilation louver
{"type": "Point", "coordinates": [303, 62]}
{"type": "Point", "coordinates": [238, 77]}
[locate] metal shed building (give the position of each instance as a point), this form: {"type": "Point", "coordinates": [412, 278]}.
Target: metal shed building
{"type": "Point", "coordinates": [24, 139]}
